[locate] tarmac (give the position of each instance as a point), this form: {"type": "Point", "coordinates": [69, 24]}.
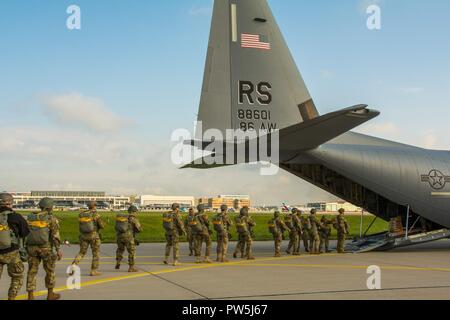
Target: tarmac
{"type": "Point", "coordinates": [420, 272]}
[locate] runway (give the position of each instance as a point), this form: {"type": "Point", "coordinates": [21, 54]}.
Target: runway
{"type": "Point", "coordinates": [421, 272]}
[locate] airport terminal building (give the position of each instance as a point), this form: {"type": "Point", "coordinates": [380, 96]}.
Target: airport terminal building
{"type": "Point", "coordinates": [70, 199]}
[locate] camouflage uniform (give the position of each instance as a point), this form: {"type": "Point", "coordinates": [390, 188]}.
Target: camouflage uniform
{"type": "Point", "coordinates": [205, 236]}
{"type": "Point", "coordinates": [293, 234]}
{"type": "Point", "coordinates": [325, 232]}
{"type": "Point", "coordinates": [279, 227]}
{"type": "Point", "coordinates": [222, 224]}
{"type": "Point", "coordinates": [127, 241]}
{"type": "Point", "coordinates": [244, 246]}
{"type": "Point", "coordinates": [190, 235]}
{"type": "Point", "coordinates": [93, 240]}
{"type": "Point", "coordinates": [15, 271]}
{"type": "Point", "coordinates": [343, 230]}
{"type": "Point", "coordinates": [44, 254]}
{"type": "Point", "coordinates": [173, 235]}
{"type": "Point", "coordinates": [298, 229]}
{"type": "Point", "coordinates": [305, 234]}
{"type": "Point", "coordinates": [11, 256]}
{"type": "Point", "coordinates": [314, 237]}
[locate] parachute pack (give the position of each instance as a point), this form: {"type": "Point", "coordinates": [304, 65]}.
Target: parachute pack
{"type": "Point", "coordinates": [87, 223]}
{"type": "Point", "coordinates": [122, 223]}
{"type": "Point", "coordinates": [39, 225]}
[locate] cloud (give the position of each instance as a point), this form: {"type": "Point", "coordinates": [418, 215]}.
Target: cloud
{"type": "Point", "coordinates": [76, 109]}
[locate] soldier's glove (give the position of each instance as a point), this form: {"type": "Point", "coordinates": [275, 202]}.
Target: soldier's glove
{"type": "Point", "coordinates": [23, 255]}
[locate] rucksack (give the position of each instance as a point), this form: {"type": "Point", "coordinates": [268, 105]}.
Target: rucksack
{"type": "Point", "coordinates": [168, 223]}
{"type": "Point", "coordinates": [122, 223]}
{"type": "Point", "coordinates": [39, 225]}
{"type": "Point", "coordinates": [241, 225]}
{"type": "Point", "coordinates": [195, 224]}
{"type": "Point", "coordinates": [288, 221]}
{"type": "Point", "coordinates": [218, 223]}
{"type": "Point", "coordinates": [87, 224]}
{"type": "Point", "coordinates": [6, 234]}
{"type": "Point", "coordinates": [272, 226]}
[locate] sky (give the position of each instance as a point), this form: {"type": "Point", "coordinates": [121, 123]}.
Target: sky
{"type": "Point", "coordinates": [94, 109]}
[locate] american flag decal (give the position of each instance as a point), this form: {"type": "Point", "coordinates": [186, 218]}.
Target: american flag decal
{"type": "Point", "coordinates": [254, 41]}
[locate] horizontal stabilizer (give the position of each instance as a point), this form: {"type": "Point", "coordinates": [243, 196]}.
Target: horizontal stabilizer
{"type": "Point", "coordinates": [313, 133]}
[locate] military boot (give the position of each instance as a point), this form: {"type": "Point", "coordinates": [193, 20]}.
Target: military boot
{"type": "Point", "coordinates": [52, 295]}
{"type": "Point", "coordinates": [95, 273]}
{"type": "Point", "coordinates": [30, 295]}
{"type": "Point", "coordinates": [225, 260]}
{"type": "Point", "coordinates": [207, 260]}
{"type": "Point", "coordinates": [118, 266]}
{"type": "Point", "coordinates": [132, 269]}
{"type": "Point", "coordinates": [176, 263]}
{"type": "Point", "coordinates": [12, 298]}
{"type": "Point", "coordinates": [166, 260]}
{"type": "Point", "coordinates": [198, 260]}
{"type": "Point", "coordinates": [235, 255]}
{"type": "Point", "coordinates": [251, 258]}
{"type": "Point", "coordinates": [277, 255]}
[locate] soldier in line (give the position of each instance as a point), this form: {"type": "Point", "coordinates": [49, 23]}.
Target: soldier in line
{"type": "Point", "coordinates": [325, 232]}
{"type": "Point", "coordinates": [343, 230]}
{"type": "Point", "coordinates": [43, 238]}
{"type": "Point", "coordinates": [10, 243]}
{"type": "Point", "coordinates": [298, 229]}
{"type": "Point", "coordinates": [205, 234]}
{"type": "Point", "coordinates": [306, 227]}
{"type": "Point", "coordinates": [222, 224]}
{"type": "Point", "coordinates": [277, 227]}
{"type": "Point", "coordinates": [293, 234]}
{"type": "Point", "coordinates": [90, 224]}
{"type": "Point", "coordinates": [314, 237]}
{"type": "Point", "coordinates": [127, 226]}
{"type": "Point", "coordinates": [174, 228]}
{"type": "Point", "coordinates": [243, 225]}
{"type": "Point", "coordinates": [195, 227]}
{"type": "Point", "coordinates": [190, 235]}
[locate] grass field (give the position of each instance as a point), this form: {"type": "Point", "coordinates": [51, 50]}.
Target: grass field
{"type": "Point", "coordinates": [153, 231]}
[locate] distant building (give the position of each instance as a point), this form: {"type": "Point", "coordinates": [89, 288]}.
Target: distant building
{"type": "Point", "coordinates": [335, 206]}
{"type": "Point", "coordinates": [164, 202]}
{"type": "Point", "coordinates": [232, 201]}
{"type": "Point", "coordinates": [70, 199]}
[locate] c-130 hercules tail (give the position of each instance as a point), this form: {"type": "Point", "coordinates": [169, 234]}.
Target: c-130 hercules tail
{"type": "Point", "coordinates": [251, 82]}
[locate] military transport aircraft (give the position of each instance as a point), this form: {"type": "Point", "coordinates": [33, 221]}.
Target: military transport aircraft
{"type": "Point", "coordinates": [251, 82]}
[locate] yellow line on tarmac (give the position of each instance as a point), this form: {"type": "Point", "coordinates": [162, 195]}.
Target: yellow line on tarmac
{"type": "Point", "coordinates": [167, 271]}
{"type": "Point", "coordinates": [331, 266]}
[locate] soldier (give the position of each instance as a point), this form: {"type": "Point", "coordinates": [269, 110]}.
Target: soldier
{"type": "Point", "coordinates": [277, 227]}
{"type": "Point", "coordinates": [43, 238]}
{"type": "Point", "coordinates": [325, 232]}
{"type": "Point", "coordinates": [13, 229]}
{"type": "Point", "coordinates": [127, 226]}
{"type": "Point", "coordinates": [222, 224]}
{"type": "Point", "coordinates": [205, 234]}
{"type": "Point", "coordinates": [243, 226]}
{"type": "Point", "coordinates": [190, 235]}
{"type": "Point", "coordinates": [90, 224]}
{"type": "Point", "coordinates": [293, 234]}
{"type": "Point", "coordinates": [298, 229]}
{"type": "Point", "coordinates": [306, 226]}
{"type": "Point", "coordinates": [174, 228]}
{"type": "Point", "coordinates": [314, 238]}
{"type": "Point", "coordinates": [343, 230]}
{"type": "Point", "coordinates": [195, 227]}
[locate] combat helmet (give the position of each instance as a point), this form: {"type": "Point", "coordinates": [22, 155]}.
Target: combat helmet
{"type": "Point", "coordinates": [200, 207]}
{"type": "Point", "coordinates": [46, 204]}
{"type": "Point", "coordinates": [92, 205]}
{"type": "Point", "coordinates": [224, 207]}
{"type": "Point", "coordinates": [133, 209]}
